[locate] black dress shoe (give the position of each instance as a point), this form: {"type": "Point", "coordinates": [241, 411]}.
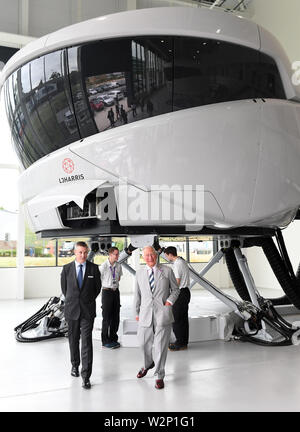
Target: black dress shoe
{"type": "Point", "coordinates": [75, 371]}
{"type": "Point", "coordinates": [86, 383]}
{"type": "Point", "coordinates": [175, 347]}
{"type": "Point", "coordinates": [142, 372]}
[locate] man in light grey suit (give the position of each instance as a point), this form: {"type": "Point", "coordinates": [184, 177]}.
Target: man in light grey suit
{"type": "Point", "coordinates": [156, 290]}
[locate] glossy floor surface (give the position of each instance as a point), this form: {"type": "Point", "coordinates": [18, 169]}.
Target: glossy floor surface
{"type": "Point", "coordinates": [209, 376]}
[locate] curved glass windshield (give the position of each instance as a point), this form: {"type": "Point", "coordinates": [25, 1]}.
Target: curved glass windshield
{"type": "Point", "coordinates": [76, 92]}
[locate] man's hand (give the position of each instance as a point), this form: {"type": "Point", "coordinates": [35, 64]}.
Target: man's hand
{"type": "Point", "coordinates": [168, 303]}
{"type": "Point", "coordinates": [136, 318]}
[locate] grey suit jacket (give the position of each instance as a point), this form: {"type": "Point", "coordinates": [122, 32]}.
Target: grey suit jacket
{"type": "Point", "coordinates": [150, 304]}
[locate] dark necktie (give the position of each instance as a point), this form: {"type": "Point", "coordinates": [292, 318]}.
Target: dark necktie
{"type": "Point", "coordinates": [80, 276]}
{"type": "Point", "coordinates": [151, 280]}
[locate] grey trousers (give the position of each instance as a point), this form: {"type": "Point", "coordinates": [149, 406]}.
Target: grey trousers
{"type": "Point", "coordinates": [154, 341]}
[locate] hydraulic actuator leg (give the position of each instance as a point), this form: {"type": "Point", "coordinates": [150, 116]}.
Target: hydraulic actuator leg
{"type": "Point", "coordinates": [234, 304]}
{"type": "Point", "coordinates": [249, 281]}
{"type": "Point", "coordinates": [257, 315]}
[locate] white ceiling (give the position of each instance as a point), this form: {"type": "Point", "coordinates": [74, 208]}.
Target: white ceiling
{"type": "Point", "coordinates": [35, 18]}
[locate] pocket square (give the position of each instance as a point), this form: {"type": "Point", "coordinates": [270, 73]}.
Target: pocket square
{"type": "Point", "coordinates": [90, 276]}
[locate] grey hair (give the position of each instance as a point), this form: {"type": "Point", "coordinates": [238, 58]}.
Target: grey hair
{"type": "Point", "coordinates": [149, 247]}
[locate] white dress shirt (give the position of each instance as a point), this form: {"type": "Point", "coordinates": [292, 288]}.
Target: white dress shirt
{"type": "Point", "coordinates": [182, 272]}
{"type": "Point", "coordinates": [77, 266]}
{"type": "Point", "coordinates": [107, 271]}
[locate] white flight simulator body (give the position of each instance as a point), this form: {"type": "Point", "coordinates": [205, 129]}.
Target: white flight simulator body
{"type": "Point", "coordinates": [245, 153]}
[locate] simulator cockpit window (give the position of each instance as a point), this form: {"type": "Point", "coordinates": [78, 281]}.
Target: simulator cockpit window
{"type": "Point", "coordinates": [123, 80]}
{"type": "Point", "coordinates": [76, 92]}
{"type": "Point", "coordinates": [40, 108]}
{"type": "Point", "coordinates": [211, 71]}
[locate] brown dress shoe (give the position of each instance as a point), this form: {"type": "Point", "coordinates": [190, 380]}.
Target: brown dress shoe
{"type": "Point", "coordinates": [142, 372]}
{"type": "Point", "coordinates": [159, 384]}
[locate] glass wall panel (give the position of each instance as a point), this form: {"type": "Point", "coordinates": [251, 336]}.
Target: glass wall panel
{"type": "Point", "coordinates": [201, 249]}
{"type": "Point", "coordinates": [8, 237]}
{"type": "Point", "coordinates": [179, 242]}
{"type": "Point", "coordinates": [66, 250]}
{"type": "Point", "coordinates": [100, 258]}
{"type": "Point", "coordinates": [8, 253]}
{"type": "Point", "coordinates": [193, 249]}
{"type": "Point", "coordinates": [38, 252]}
{"type": "Point", "coordinates": [8, 217]}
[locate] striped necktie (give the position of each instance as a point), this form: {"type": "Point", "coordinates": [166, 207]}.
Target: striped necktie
{"type": "Point", "coordinates": [151, 280]}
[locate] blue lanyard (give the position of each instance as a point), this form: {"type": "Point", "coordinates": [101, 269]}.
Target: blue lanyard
{"type": "Point", "coordinates": [113, 272]}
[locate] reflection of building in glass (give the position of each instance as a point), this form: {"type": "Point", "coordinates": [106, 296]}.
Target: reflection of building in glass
{"type": "Point", "coordinates": [150, 62]}
{"type": "Point", "coordinates": [107, 92]}
{"type": "Point", "coordinates": [148, 70]}
{"type": "Point", "coordinates": [39, 107]}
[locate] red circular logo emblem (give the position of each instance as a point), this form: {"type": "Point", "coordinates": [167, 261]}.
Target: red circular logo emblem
{"type": "Point", "coordinates": [68, 165]}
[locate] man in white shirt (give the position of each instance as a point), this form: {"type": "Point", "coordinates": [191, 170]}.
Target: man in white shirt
{"type": "Point", "coordinates": [181, 307]}
{"type": "Point", "coordinates": [111, 272]}
{"type": "Point", "coordinates": [156, 291]}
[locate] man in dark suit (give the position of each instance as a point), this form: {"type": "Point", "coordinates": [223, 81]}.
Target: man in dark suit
{"type": "Point", "coordinates": [81, 284]}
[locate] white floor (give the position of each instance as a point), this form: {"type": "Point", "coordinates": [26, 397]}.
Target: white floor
{"type": "Point", "coordinates": [210, 376]}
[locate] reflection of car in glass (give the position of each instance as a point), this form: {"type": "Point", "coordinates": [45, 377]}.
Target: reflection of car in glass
{"type": "Point", "coordinates": [67, 249]}
{"type": "Point", "coordinates": [92, 91]}
{"type": "Point", "coordinates": [108, 100]}
{"type": "Point", "coordinates": [69, 119]}
{"type": "Point", "coordinates": [99, 89]}
{"type": "Point", "coordinates": [97, 104]}
{"type": "Point", "coordinates": [116, 94]}
{"type": "Point", "coordinates": [106, 87]}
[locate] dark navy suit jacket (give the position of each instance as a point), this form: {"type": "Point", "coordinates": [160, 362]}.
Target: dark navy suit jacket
{"type": "Point", "coordinates": [80, 302]}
